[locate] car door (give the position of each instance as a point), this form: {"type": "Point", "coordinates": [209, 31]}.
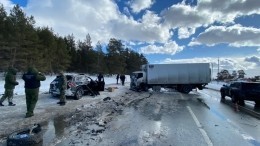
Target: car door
{"type": "Point", "coordinates": [234, 87]}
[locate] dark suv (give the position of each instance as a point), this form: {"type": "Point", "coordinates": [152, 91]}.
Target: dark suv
{"type": "Point", "coordinates": [241, 91]}
{"type": "Point", "coordinates": [77, 86]}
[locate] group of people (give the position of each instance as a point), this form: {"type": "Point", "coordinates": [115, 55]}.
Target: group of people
{"type": "Point", "coordinates": [122, 78]}
{"type": "Point", "coordinates": [32, 80]}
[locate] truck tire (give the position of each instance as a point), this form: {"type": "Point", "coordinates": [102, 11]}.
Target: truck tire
{"type": "Point", "coordinates": [79, 93]}
{"type": "Point", "coordinates": [186, 89]}
{"type": "Point", "coordinates": [24, 138]}
{"type": "Point", "coordinates": [144, 87]}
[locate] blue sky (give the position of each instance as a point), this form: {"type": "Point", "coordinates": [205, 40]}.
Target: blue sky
{"type": "Point", "coordinates": [165, 31]}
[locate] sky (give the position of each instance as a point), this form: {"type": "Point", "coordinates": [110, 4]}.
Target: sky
{"type": "Point", "coordinates": [165, 31]}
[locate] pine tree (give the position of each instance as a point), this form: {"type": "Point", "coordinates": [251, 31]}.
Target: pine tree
{"type": "Point", "coordinates": [115, 59]}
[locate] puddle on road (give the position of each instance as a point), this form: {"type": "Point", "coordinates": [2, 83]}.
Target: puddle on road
{"type": "Point", "coordinates": [55, 130]}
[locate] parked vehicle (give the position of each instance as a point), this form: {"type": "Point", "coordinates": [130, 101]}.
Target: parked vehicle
{"type": "Point", "coordinates": [183, 77]}
{"type": "Point", "coordinates": [241, 91]}
{"type": "Point", "coordinates": [77, 86]}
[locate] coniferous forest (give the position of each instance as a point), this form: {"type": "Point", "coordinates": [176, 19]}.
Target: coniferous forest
{"type": "Point", "coordinates": [22, 45]}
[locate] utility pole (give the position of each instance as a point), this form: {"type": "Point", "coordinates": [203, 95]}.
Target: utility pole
{"type": "Point", "coordinates": [218, 65]}
{"type": "Point", "coordinates": [212, 71]}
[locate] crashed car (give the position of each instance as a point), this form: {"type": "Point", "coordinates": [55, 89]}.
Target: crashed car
{"type": "Point", "coordinates": [77, 86]}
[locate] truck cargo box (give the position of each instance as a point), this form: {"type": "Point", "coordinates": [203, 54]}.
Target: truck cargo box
{"type": "Point", "coordinates": [186, 73]}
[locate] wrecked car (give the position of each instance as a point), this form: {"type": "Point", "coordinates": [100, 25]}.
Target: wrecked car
{"type": "Point", "coordinates": [77, 86]}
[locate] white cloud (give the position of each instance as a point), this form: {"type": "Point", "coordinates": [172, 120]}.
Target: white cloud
{"type": "Point", "coordinates": [209, 11]}
{"type": "Point", "coordinates": [184, 32]}
{"type": "Point", "coordinates": [229, 10]}
{"type": "Point", "coordinates": [183, 15]}
{"type": "Point", "coordinates": [258, 50]}
{"type": "Point", "coordinates": [253, 59]}
{"type": "Point", "coordinates": [235, 35]}
{"type": "Point", "coordinates": [169, 48]}
{"type": "Point", "coordinates": [8, 5]}
{"type": "Point", "coordinates": [139, 5]}
{"type": "Point", "coordinates": [101, 19]}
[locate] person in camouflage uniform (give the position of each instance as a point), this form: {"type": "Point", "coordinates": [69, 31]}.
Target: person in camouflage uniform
{"type": "Point", "coordinates": [62, 85]}
{"type": "Point", "coordinates": [32, 84]}
{"type": "Point", "coordinates": [10, 83]}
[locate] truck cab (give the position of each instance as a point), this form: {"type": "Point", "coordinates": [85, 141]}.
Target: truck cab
{"type": "Point", "coordinates": [138, 80]}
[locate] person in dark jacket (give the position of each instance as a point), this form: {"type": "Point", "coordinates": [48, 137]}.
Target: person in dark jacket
{"type": "Point", "coordinates": [122, 78]}
{"type": "Point", "coordinates": [62, 85]}
{"type": "Point", "coordinates": [100, 77]}
{"type": "Point", "coordinates": [101, 82]}
{"type": "Point", "coordinates": [10, 83]}
{"type": "Point", "coordinates": [117, 78]}
{"type": "Point", "coordinates": [32, 84]}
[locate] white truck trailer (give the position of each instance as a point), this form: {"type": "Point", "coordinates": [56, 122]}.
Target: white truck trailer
{"type": "Point", "coordinates": [182, 77]}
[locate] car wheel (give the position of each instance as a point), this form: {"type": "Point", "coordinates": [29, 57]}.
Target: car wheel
{"type": "Point", "coordinates": [222, 96]}
{"type": "Point", "coordinates": [233, 98]}
{"type": "Point", "coordinates": [241, 102]}
{"type": "Point", "coordinates": [257, 103]}
{"type": "Point", "coordinates": [78, 93]}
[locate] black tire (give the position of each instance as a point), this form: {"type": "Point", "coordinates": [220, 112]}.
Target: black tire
{"type": "Point", "coordinates": [257, 103]}
{"type": "Point", "coordinates": [144, 87]}
{"type": "Point", "coordinates": [233, 98]}
{"type": "Point", "coordinates": [23, 138]}
{"type": "Point", "coordinates": [186, 89]}
{"type": "Point", "coordinates": [79, 93]}
{"type": "Point", "coordinates": [241, 102]}
{"type": "Point", "coordinates": [222, 95]}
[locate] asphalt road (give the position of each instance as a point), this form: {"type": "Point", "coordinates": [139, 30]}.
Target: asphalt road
{"type": "Point", "coordinates": [172, 118]}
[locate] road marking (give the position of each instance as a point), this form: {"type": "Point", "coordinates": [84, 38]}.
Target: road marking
{"type": "Point", "coordinates": [202, 131]}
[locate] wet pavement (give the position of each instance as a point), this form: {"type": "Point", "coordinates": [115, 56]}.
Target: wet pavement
{"type": "Point", "coordinates": [151, 119]}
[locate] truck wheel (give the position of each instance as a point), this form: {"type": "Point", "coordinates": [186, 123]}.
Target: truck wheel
{"type": "Point", "coordinates": [144, 87]}
{"type": "Point", "coordinates": [78, 93]}
{"type": "Point", "coordinates": [186, 89]}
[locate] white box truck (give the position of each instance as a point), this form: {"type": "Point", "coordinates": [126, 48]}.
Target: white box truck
{"type": "Point", "coordinates": [182, 77]}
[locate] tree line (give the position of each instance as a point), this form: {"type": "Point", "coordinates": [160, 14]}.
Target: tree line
{"type": "Point", "coordinates": [224, 74]}
{"type": "Point", "coordinates": [22, 45]}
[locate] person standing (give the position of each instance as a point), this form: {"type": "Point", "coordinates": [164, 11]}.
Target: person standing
{"type": "Point", "coordinates": [32, 80]}
{"type": "Point", "coordinates": [62, 83]}
{"type": "Point", "coordinates": [100, 77]}
{"type": "Point", "coordinates": [122, 78]}
{"type": "Point", "coordinates": [10, 83]}
{"type": "Point", "coordinates": [117, 78]}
